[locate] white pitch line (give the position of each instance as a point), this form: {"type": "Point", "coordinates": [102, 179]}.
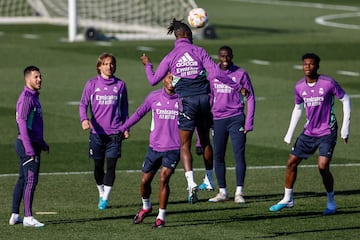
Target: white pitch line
{"type": "Point", "coordinates": [195, 169]}
{"type": "Point", "coordinates": [303, 4]}
{"type": "Point", "coordinates": [145, 48]}
{"type": "Point", "coordinates": [348, 73]}
{"type": "Point", "coordinates": [31, 36]}
{"type": "Point", "coordinates": [260, 62]}
{"type": "Point", "coordinates": [323, 20]}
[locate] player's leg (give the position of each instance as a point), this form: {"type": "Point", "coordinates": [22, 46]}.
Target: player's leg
{"type": "Point", "coordinates": [303, 148]}
{"type": "Point", "coordinates": [187, 112]}
{"type": "Point", "coordinates": [164, 191]}
{"type": "Point", "coordinates": [152, 163]}
{"type": "Point", "coordinates": [198, 149]}
{"type": "Point", "coordinates": [238, 140]}
{"type": "Point", "coordinates": [290, 177]}
{"type": "Point", "coordinates": [31, 167]}
{"type": "Point", "coordinates": [19, 187]}
{"type": "Point", "coordinates": [169, 162]}
{"type": "Point", "coordinates": [203, 123]}
{"type": "Point", "coordinates": [112, 153]}
{"type": "Point", "coordinates": [326, 149]}
{"type": "Point", "coordinates": [97, 153]}
{"type": "Point", "coordinates": [220, 139]}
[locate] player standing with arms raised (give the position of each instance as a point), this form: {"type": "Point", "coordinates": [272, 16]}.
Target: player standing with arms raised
{"type": "Point", "coordinates": [230, 120]}
{"type": "Point", "coordinates": [29, 144]}
{"type": "Point", "coordinates": [315, 92]}
{"type": "Point", "coordinates": [106, 96]}
{"type": "Point", "coordinates": [188, 64]}
{"type": "Point", "coordinates": [164, 147]}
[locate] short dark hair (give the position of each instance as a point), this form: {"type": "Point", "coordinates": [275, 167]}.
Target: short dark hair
{"type": "Point", "coordinates": [311, 56]}
{"type": "Point", "coordinates": [29, 69]}
{"type": "Point", "coordinates": [226, 48]}
{"type": "Point", "coordinates": [179, 28]}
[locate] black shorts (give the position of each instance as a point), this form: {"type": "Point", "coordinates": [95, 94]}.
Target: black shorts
{"type": "Point", "coordinates": [305, 146]}
{"type": "Point", "coordinates": [154, 160]}
{"type": "Point", "coordinates": [103, 146]}
{"type": "Point", "coordinates": [195, 111]}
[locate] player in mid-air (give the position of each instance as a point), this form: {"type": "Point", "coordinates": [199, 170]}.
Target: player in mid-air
{"type": "Point", "coordinates": [315, 92]}
{"type": "Point", "coordinates": [188, 64]}
{"type": "Point", "coordinates": [230, 120]}
{"type": "Point", "coordinates": [29, 144]}
{"type": "Point", "coordinates": [106, 97]}
{"type": "Point", "coordinates": [164, 147]}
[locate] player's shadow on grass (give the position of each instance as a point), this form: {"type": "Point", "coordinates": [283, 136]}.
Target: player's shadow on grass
{"type": "Point", "coordinates": [298, 195]}
{"type": "Point", "coordinates": [249, 28]}
{"type": "Point", "coordinates": [91, 219]}
{"type": "Point", "coordinates": [250, 218]}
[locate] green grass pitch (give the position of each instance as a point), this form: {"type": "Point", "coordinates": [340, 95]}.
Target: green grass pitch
{"type": "Point", "coordinates": [268, 39]}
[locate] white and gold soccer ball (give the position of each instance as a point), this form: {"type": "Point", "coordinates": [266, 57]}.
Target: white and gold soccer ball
{"type": "Point", "coordinates": [197, 17]}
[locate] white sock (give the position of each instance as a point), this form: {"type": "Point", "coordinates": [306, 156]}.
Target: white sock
{"type": "Point", "coordinates": [331, 204]}
{"type": "Point", "coordinates": [223, 191]}
{"type": "Point", "coordinates": [107, 190]}
{"type": "Point", "coordinates": [161, 214]}
{"type": "Point", "coordinates": [209, 177]}
{"type": "Point", "coordinates": [190, 179]}
{"type": "Point", "coordinates": [146, 203]}
{"type": "Point", "coordinates": [101, 190]}
{"type": "Point", "coordinates": [239, 190]}
{"type": "Point", "coordinates": [288, 195]}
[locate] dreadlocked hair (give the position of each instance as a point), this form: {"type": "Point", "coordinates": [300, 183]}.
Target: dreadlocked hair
{"type": "Point", "coordinates": [178, 27]}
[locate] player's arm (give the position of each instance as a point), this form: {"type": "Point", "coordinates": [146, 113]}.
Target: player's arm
{"type": "Point", "coordinates": [144, 108]}
{"type": "Point", "coordinates": [84, 103]}
{"type": "Point", "coordinates": [250, 103]}
{"type": "Point", "coordinates": [345, 129]}
{"type": "Point", "coordinates": [124, 110]}
{"type": "Point", "coordinates": [23, 111]}
{"type": "Point", "coordinates": [295, 117]}
{"type": "Point", "coordinates": [161, 71]}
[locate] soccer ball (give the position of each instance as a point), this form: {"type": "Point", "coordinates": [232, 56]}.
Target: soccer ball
{"type": "Point", "coordinates": [197, 17]}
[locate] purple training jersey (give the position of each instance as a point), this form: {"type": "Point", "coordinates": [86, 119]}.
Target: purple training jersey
{"type": "Point", "coordinates": [318, 102]}
{"type": "Point", "coordinates": [188, 64]}
{"type": "Point", "coordinates": [108, 102]}
{"type": "Point", "coordinates": [164, 129]}
{"type": "Point", "coordinates": [227, 102]}
{"type": "Point", "coordinates": [29, 120]}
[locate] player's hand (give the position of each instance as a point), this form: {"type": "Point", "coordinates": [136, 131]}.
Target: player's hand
{"type": "Point", "coordinates": [287, 140]}
{"type": "Point", "coordinates": [244, 92]}
{"type": "Point", "coordinates": [85, 125]}
{"type": "Point", "coordinates": [145, 59]}
{"type": "Point", "coordinates": [45, 147]}
{"type": "Point", "coordinates": [126, 134]}
{"type": "Point", "coordinates": [345, 140]}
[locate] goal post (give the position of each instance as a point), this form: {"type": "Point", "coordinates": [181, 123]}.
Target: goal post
{"type": "Point", "coordinates": [108, 19]}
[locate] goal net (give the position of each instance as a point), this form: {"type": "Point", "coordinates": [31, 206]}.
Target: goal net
{"type": "Point", "coordinates": [119, 19]}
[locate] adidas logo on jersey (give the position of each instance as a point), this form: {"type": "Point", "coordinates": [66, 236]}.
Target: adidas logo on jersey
{"type": "Point", "coordinates": [186, 60]}
{"type": "Point", "coordinates": [158, 104]}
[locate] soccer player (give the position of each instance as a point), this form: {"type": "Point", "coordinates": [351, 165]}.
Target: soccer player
{"type": "Point", "coordinates": [188, 64]}
{"type": "Point", "coordinates": [106, 97]}
{"type": "Point", "coordinates": [315, 92]}
{"type": "Point", "coordinates": [29, 144]}
{"type": "Point", "coordinates": [164, 147]}
{"type": "Point", "coordinates": [230, 120]}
